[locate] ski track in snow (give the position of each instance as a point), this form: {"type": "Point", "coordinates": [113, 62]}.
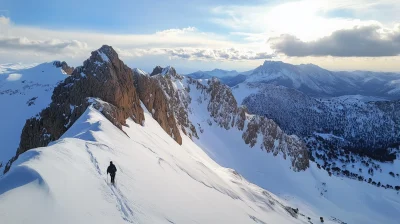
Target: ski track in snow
{"type": "Point", "coordinates": [122, 204]}
{"type": "Point", "coordinates": [126, 211]}
{"type": "Point", "coordinates": [93, 159]}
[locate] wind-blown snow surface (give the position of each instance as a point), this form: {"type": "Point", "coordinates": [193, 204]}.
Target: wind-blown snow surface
{"type": "Point", "coordinates": [158, 181]}
{"type": "Point", "coordinates": [24, 92]}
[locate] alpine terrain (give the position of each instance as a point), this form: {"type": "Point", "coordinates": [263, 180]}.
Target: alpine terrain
{"type": "Point", "coordinates": [278, 144]}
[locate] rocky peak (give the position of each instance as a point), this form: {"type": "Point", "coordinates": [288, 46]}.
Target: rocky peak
{"type": "Point", "coordinates": [222, 106]}
{"type": "Point", "coordinates": [64, 66]}
{"type": "Point", "coordinates": [157, 70]}
{"type": "Point", "coordinates": [103, 76]}
{"type": "Point", "coordinates": [169, 71]}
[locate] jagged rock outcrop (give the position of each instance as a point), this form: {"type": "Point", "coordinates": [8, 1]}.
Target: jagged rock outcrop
{"type": "Point", "coordinates": [223, 108]}
{"type": "Point", "coordinates": [275, 141]}
{"type": "Point", "coordinates": [178, 99]}
{"type": "Point", "coordinates": [103, 76]}
{"type": "Point", "coordinates": [152, 95]}
{"type": "Point", "coordinates": [64, 66]}
{"type": "Point", "coordinates": [157, 70]}
{"type": "Point", "coordinates": [225, 112]}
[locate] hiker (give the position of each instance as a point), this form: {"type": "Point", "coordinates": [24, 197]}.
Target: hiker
{"type": "Point", "coordinates": [112, 170]}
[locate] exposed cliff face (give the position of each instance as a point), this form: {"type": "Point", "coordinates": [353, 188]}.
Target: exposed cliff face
{"type": "Point", "coordinates": [153, 97]}
{"type": "Point", "coordinates": [177, 91]}
{"type": "Point", "coordinates": [103, 76]}
{"type": "Point", "coordinates": [222, 106]}
{"type": "Point", "coordinates": [275, 141]}
{"type": "Point", "coordinates": [224, 111]}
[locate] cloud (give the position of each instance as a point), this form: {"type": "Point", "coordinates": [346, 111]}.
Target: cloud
{"type": "Point", "coordinates": [186, 43]}
{"type": "Point", "coordinates": [366, 41]}
{"type": "Point", "coordinates": [46, 46]}
{"type": "Point", "coordinates": [306, 19]}
{"type": "Point", "coordinates": [4, 21]}
{"type": "Point", "coordinates": [201, 54]}
{"type": "Point", "coordinates": [189, 29]}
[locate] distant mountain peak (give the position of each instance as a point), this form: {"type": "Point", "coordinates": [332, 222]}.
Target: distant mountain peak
{"type": "Point", "coordinates": [220, 73]}
{"type": "Point", "coordinates": [169, 70]}
{"type": "Point", "coordinates": [270, 62]}
{"type": "Point", "coordinates": [157, 70]}
{"type": "Point", "coordinates": [108, 51]}
{"type": "Point", "coordinates": [276, 64]}
{"type": "Point", "coordinates": [223, 71]}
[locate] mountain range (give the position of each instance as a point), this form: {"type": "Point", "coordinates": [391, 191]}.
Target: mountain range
{"type": "Point", "coordinates": [277, 145]}
{"type": "Point", "coordinates": [318, 82]}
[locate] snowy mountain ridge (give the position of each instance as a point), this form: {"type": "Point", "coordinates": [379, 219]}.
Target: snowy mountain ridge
{"type": "Point", "coordinates": [170, 137]}
{"type": "Point", "coordinates": [318, 82]}
{"type": "Point", "coordinates": [167, 174]}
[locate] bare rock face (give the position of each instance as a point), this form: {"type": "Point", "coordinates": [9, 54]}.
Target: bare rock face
{"type": "Point", "coordinates": [275, 141]}
{"type": "Point", "coordinates": [179, 99]}
{"type": "Point", "coordinates": [152, 95]}
{"type": "Point", "coordinates": [64, 66]}
{"type": "Point", "coordinates": [157, 70]}
{"type": "Point", "coordinates": [103, 76]}
{"type": "Point", "coordinates": [222, 106]}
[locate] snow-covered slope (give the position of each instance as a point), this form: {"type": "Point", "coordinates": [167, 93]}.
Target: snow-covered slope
{"type": "Point", "coordinates": [332, 197]}
{"type": "Point", "coordinates": [11, 67]}
{"type": "Point", "coordinates": [158, 181]}
{"type": "Point", "coordinates": [171, 158]}
{"type": "Point", "coordinates": [24, 92]}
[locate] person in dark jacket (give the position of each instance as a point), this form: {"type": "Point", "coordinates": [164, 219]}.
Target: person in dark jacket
{"type": "Point", "coordinates": [112, 170]}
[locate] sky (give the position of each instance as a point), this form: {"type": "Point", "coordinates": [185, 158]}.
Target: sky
{"type": "Point", "coordinates": [205, 34]}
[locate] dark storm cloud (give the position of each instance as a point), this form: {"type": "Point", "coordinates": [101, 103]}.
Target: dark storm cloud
{"type": "Point", "coordinates": [357, 42]}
